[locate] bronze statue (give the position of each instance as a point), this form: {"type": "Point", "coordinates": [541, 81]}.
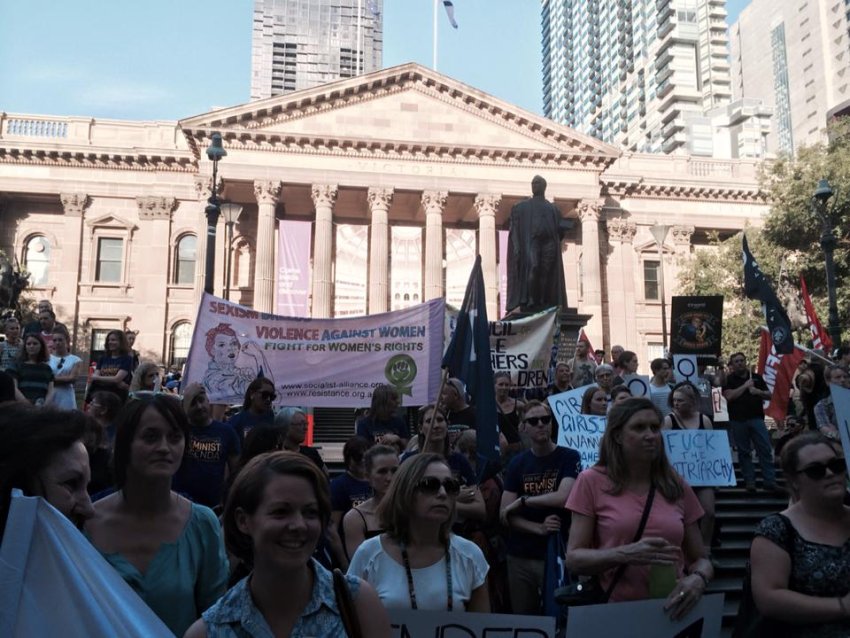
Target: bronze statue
{"type": "Point", "coordinates": [535, 267]}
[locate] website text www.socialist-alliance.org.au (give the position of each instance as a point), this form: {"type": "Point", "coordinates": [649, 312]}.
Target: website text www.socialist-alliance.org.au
{"type": "Point", "coordinates": [333, 389]}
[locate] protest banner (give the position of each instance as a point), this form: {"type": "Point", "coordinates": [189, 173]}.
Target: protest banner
{"type": "Point", "coordinates": [293, 268]}
{"type": "Point", "coordinates": [646, 618]}
{"type": "Point", "coordinates": [701, 457]}
{"type": "Point", "coordinates": [521, 347]}
{"type": "Point", "coordinates": [581, 432]}
{"type": "Point", "coordinates": [778, 370]}
{"type": "Point", "coordinates": [569, 401]}
{"type": "Point", "coordinates": [317, 362]}
{"type": "Point", "coordinates": [407, 623]}
{"type": "Point", "coordinates": [696, 325]}
{"type": "Point", "coordinates": [685, 368]}
{"type": "Point", "coordinates": [841, 403]}
{"type": "Point", "coordinates": [637, 384]}
{"type": "Point", "coordinates": [720, 408]}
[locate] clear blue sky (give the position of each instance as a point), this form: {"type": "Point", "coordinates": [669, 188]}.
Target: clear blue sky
{"type": "Point", "coordinates": [169, 59]}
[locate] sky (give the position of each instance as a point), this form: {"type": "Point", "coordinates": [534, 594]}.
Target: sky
{"type": "Point", "coordinates": [171, 59]}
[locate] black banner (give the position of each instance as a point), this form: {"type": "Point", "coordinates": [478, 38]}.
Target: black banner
{"type": "Point", "coordinates": [696, 325]}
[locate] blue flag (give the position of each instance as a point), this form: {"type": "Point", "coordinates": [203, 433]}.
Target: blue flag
{"type": "Point", "coordinates": [468, 359]}
{"type": "Point", "coordinates": [450, 11]}
{"type": "Point", "coordinates": [756, 286]}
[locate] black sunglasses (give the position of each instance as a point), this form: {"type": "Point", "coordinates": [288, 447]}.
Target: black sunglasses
{"type": "Point", "coordinates": [817, 471]}
{"type": "Point", "coordinates": [534, 420]}
{"type": "Point", "coordinates": [268, 396]}
{"type": "Point", "coordinates": [431, 485]}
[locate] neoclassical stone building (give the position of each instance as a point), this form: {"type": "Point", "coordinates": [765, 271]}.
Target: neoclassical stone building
{"type": "Point", "coordinates": [403, 175]}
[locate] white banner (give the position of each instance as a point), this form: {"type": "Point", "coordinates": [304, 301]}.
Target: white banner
{"type": "Point", "coordinates": [701, 457]}
{"type": "Point", "coordinates": [523, 347]}
{"type": "Point", "coordinates": [317, 362]}
{"type": "Point", "coordinates": [637, 384]}
{"type": "Point", "coordinates": [718, 404]}
{"type": "Point", "coordinates": [407, 623]}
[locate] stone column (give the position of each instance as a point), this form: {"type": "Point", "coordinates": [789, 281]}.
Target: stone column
{"type": "Point", "coordinates": [379, 203]}
{"type": "Point", "coordinates": [324, 196]}
{"type": "Point", "coordinates": [73, 206]}
{"type": "Point", "coordinates": [589, 211]}
{"type": "Point", "coordinates": [267, 193]}
{"type": "Point", "coordinates": [154, 246]}
{"type": "Point", "coordinates": [433, 202]}
{"type": "Point", "coordinates": [486, 206]}
{"type": "Point", "coordinates": [621, 282]}
{"type": "Point", "coordinates": [203, 188]}
{"type": "Point", "coordinates": [681, 236]}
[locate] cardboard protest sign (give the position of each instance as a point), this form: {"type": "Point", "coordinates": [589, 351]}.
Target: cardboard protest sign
{"type": "Point", "coordinates": [317, 362]}
{"type": "Point", "coordinates": [637, 384]}
{"type": "Point", "coordinates": [569, 401]}
{"type": "Point", "coordinates": [581, 432]}
{"type": "Point", "coordinates": [696, 325]}
{"type": "Point", "coordinates": [718, 403]}
{"type": "Point", "coordinates": [701, 457]}
{"type": "Point", "coordinates": [841, 402]}
{"type": "Point", "coordinates": [685, 368]}
{"type": "Point", "coordinates": [407, 623]}
{"type": "Point", "coordinates": [646, 618]}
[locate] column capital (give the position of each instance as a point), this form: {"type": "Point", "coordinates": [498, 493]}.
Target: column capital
{"type": "Point", "coordinates": [379, 198]}
{"type": "Point", "coordinates": [589, 210]}
{"type": "Point", "coordinates": [74, 203]}
{"type": "Point", "coordinates": [433, 201]}
{"type": "Point", "coordinates": [682, 235]}
{"type": "Point", "coordinates": [487, 203]}
{"type": "Point", "coordinates": [203, 187]}
{"type": "Point", "coordinates": [324, 194]}
{"type": "Point", "coordinates": [267, 191]}
{"type": "Point", "coordinates": [156, 207]}
{"type": "Point", "coordinates": [621, 229]}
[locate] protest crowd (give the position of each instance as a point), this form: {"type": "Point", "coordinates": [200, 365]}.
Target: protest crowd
{"type": "Point", "coordinates": [227, 523]}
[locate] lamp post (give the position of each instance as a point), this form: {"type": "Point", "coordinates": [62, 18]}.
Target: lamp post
{"type": "Point", "coordinates": [659, 233]}
{"type": "Point", "coordinates": [827, 241]}
{"type": "Point", "coordinates": [231, 214]}
{"type": "Point", "coordinates": [215, 152]}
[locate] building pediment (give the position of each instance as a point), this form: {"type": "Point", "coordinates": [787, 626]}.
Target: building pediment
{"type": "Point", "coordinates": [407, 109]}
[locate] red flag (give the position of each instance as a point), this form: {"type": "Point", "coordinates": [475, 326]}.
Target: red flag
{"type": "Point", "coordinates": [778, 372]}
{"type": "Point", "coordinates": [582, 336]}
{"type": "Point", "coordinates": [820, 337]}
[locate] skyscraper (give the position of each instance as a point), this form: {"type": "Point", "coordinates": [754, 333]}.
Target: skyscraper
{"type": "Point", "coordinates": [647, 75]}
{"type": "Point", "coordinates": [795, 56]}
{"type": "Point", "coordinates": [298, 44]}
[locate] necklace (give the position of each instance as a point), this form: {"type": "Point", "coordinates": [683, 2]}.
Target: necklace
{"type": "Point", "coordinates": [410, 589]}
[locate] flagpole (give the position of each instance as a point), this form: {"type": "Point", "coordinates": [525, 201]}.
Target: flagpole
{"type": "Point", "coordinates": [434, 44]}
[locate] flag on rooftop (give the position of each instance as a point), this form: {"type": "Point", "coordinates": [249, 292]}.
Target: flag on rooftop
{"type": "Point", "coordinates": [450, 11]}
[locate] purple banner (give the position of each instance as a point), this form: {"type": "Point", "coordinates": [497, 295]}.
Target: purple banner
{"type": "Point", "coordinates": [293, 269]}
{"type": "Point", "coordinates": [503, 271]}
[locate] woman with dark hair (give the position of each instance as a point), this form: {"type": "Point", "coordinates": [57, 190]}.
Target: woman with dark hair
{"type": "Point", "coordinates": [619, 393]}
{"type": "Point", "coordinates": [168, 549]}
{"type": "Point", "coordinates": [256, 407]}
{"type": "Point", "coordinates": [114, 369]}
{"type": "Point", "coordinates": [627, 363]}
{"type": "Point", "coordinates": [382, 425]}
{"type": "Point", "coordinates": [594, 402]}
{"type": "Point", "coordinates": [634, 483]}
{"type": "Point", "coordinates": [33, 375]}
{"type": "Point", "coordinates": [276, 512]}
{"type": "Point", "coordinates": [685, 402]}
{"type": "Point", "coordinates": [42, 454]}
{"type": "Point", "coordinates": [104, 408]}
{"type": "Point", "coordinates": [417, 563]}
{"type": "Point", "coordinates": [800, 557]}
{"type": "Point", "coordinates": [361, 522]}
{"type": "Point", "coordinates": [509, 410]}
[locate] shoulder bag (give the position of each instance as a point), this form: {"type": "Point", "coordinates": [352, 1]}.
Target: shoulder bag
{"type": "Point", "coordinates": [345, 602]}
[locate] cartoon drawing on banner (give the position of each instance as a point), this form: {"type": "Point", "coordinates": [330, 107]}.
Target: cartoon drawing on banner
{"type": "Point", "coordinates": [223, 375]}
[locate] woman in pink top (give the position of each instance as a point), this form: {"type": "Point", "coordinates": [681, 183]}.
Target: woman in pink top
{"type": "Point", "coordinates": [607, 502]}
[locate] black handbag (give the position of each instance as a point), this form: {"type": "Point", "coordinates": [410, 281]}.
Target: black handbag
{"type": "Point", "coordinates": [345, 602]}
{"type": "Point", "coordinates": [589, 591]}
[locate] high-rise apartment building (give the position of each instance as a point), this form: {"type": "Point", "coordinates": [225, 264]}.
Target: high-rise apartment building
{"type": "Point", "coordinates": [298, 44]}
{"type": "Point", "coordinates": [647, 75]}
{"type": "Point", "coordinates": [794, 55]}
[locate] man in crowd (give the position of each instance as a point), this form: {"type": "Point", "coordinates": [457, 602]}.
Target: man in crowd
{"type": "Point", "coordinates": [583, 365]}
{"type": "Point", "coordinates": [745, 392]}
{"type": "Point", "coordinates": [616, 351]}
{"type": "Point", "coordinates": [604, 377]}
{"type": "Point", "coordinates": [825, 417]}
{"type": "Point", "coordinates": [659, 385]}
{"type": "Point", "coordinates": [10, 348]}
{"type": "Point", "coordinates": [66, 370]}
{"type": "Point", "coordinates": [35, 325]}
{"type": "Point", "coordinates": [461, 415]}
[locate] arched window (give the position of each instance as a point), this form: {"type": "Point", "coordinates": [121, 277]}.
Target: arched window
{"type": "Point", "coordinates": [184, 267]}
{"type": "Point", "coordinates": [181, 339]}
{"type": "Point", "coordinates": [37, 259]}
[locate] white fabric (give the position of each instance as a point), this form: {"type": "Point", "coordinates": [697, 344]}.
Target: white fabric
{"type": "Point", "coordinates": [658, 396]}
{"type": "Point", "coordinates": [54, 583]}
{"type": "Point", "coordinates": [63, 395]}
{"type": "Point", "coordinates": [374, 565]}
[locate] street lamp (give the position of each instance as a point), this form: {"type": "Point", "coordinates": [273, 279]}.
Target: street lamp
{"type": "Point", "coordinates": [659, 233]}
{"type": "Point", "coordinates": [231, 214]}
{"type": "Point", "coordinates": [827, 241]}
{"type": "Point", "coordinates": [215, 152]}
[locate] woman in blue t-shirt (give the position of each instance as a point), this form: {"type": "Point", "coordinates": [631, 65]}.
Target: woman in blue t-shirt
{"type": "Point", "coordinates": [114, 369]}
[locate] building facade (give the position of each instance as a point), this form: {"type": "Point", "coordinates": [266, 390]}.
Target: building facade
{"type": "Point", "coordinates": [796, 57]}
{"type": "Point", "coordinates": [644, 75]}
{"type": "Point", "coordinates": [402, 176]}
{"type": "Point", "coordinates": [299, 44]}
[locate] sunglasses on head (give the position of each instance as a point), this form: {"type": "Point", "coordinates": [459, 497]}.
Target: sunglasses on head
{"type": "Point", "coordinates": [534, 420]}
{"type": "Point", "coordinates": [431, 485]}
{"type": "Point", "coordinates": [817, 471]}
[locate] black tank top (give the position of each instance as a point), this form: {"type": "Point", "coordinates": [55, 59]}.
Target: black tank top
{"type": "Point", "coordinates": [677, 425]}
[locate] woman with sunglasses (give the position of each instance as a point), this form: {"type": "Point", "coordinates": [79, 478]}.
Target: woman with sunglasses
{"type": "Point", "coordinates": [417, 563]}
{"type": "Point", "coordinates": [800, 558]}
{"type": "Point", "coordinates": [256, 408]}
{"type": "Point", "coordinates": [33, 376]}
{"type": "Point", "coordinates": [537, 484]}
{"type": "Point", "coordinates": [361, 521]}
{"type": "Point", "coordinates": [168, 549]}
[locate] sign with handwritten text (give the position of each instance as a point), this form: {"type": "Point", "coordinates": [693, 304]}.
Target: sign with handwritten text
{"type": "Point", "coordinates": [701, 457]}
{"type": "Point", "coordinates": [581, 432]}
{"type": "Point", "coordinates": [407, 623]}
